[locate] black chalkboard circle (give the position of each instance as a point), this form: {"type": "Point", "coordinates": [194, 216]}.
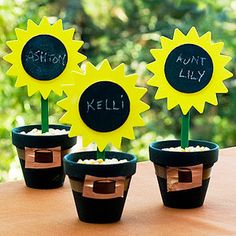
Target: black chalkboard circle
{"type": "Point", "coordinates": [188, 68]}
{"type": "Point", "coordinates": [44, 57]}
{"type": "Point", "coordinates": [104, 106]}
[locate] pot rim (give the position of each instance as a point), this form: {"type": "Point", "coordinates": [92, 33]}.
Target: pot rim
{"type": "Point", "coordinates": [67, 156]}
{"type": "Point", "coordinates": [216, 146]}
{"type": "Point", "coordinates": [79, 170]}
{"type": "Point", "coordinates": [176, 158]}
{"type": "Point", "coordinates": [19, 129]}
{"type": "Point", "coordinates": [42, 141]}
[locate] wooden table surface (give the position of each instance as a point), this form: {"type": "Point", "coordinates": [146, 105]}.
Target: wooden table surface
{"type": "Point", "coordinates": [25, 211]}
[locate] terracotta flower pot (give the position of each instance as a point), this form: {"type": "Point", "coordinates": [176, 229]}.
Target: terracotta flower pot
{"type": "Point", "coordinates": [41, 156]}
{"type": "Point", "coordinates": [183, 177]}
{"type": "Point", "coordinates": [99, 190]}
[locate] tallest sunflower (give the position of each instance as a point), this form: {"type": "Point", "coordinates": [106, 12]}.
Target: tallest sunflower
{"type": "Point", "coordinates": [43, 57]}
{"type": "Point", "coordinates": [189, 70]}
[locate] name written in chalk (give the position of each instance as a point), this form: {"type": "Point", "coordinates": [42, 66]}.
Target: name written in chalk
{"type": "Point", "coordinates": [45, 57]}
{"type": "Point", "coordinates": [105, 105]}
{"type": "Point", "coordinates": [193, 61]}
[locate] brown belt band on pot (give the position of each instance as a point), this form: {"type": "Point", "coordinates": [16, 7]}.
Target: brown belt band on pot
{"type": "Point", "coordinates": [101, 187]}
{"type": "Point", "coordinates": [21, 152]}
{"type": "Point", "coordinates": [162, 172]}
{"type": "Point", "coordinates": [42, 158]}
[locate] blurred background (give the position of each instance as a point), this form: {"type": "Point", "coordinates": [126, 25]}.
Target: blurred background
{"type": "Point", "coordinates": [122, 31]}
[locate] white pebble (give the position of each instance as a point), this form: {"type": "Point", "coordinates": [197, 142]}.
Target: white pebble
{"type": "Point", "coordinates": [51, 131]}
{"type": "Point", "coordinates": [102, 162]}
{"type": "Point", "coordinates": [187, 149]}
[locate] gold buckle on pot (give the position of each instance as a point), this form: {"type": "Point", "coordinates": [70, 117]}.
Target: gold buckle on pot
{"type": "Point", "coordinates": [183, 178]}
{"type": "Point", "coordinates": [42, 158]}
{"type": "Point", "coordinates": [103, 187]}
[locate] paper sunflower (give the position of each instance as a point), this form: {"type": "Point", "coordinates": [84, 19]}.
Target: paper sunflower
{"type": "Point", "coordinates": [103, 105]}
{"type": "Point", "coordinates": [43, 57]}
{"type": "Point", "coordinates": [189, 70]}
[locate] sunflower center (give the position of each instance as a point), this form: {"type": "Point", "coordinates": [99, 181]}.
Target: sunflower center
{"type": "Point", "coordinates": [188, 68]}
{"type": "Point", "coordinates": [44, 57]}
{"type": "Point", "coordinates": [104, 106]}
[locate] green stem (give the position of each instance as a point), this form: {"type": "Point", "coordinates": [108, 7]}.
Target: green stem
{"type": "Point", "coordinates": [185, 130]}
{"type": "Point", "coordinates": [44, 114]}
{"type": "Point", "coordinates": [100, 155]}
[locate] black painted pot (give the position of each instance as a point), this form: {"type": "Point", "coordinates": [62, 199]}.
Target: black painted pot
{"type": "Point", "coordinates": [183, 177]}
{"type": "Point", "coordinates": [41, 157]}
{"type": "Point", "coordinates": [99, 190]}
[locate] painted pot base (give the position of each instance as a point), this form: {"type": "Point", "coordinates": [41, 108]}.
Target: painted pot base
{"type": "Point", "coordinates": [93, 210]}
{"type": "Point", "coordinates": [183, 177]}
{"type": "Point", "coordinates": [42, 178]}
{"type": "Point", "coordinates": [41, 157]}
{"type": "Point", "coordinates": [99, 191]}
{"type": "Point", "coordinates": [184, 199]}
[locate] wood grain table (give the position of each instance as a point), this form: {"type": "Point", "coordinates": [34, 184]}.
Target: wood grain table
{"type": "Point", "coordinates": [25, 211]}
